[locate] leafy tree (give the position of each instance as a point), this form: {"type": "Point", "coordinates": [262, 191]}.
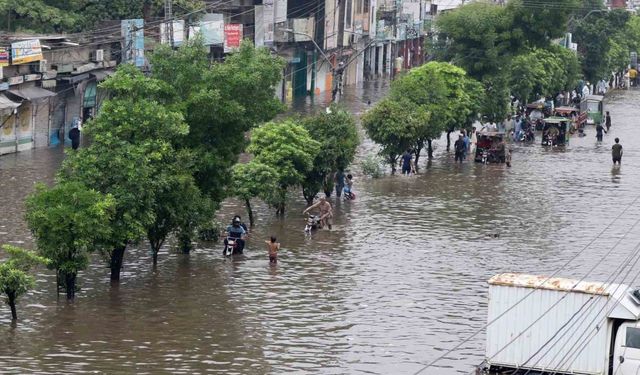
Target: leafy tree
{"type": "Point", "coordinates": [220, 103]}
{"type": "Point", "coordinates": [336, 131]}
{"type": "Point", "coordinates": [394, 125]}
{"type": "Point", "coordinates": [14, 274]}
{"type": "Point", "coordinates": [68, 222]}
{"type": "Point", "coordinates": [543, 72]}
{"type": "Point", "coordinates": [540, 21]}
{"type": "Point", "coordinates": [289, 149]}
{"type": "Point", "coordinates": [254, 180]}
{"type": "Point", "coordinates": [131, 145]}
{"type": "Point", "coordinates": [444, 91]}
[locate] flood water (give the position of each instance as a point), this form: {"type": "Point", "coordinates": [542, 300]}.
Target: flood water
{"type": "Point", "coordinates": [400, 279]}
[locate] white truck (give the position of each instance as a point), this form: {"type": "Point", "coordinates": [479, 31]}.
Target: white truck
{"type": "Point", "coordinates": [539, 325]}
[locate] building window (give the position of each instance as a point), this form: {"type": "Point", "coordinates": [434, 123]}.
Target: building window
{"type": "Point", "coordinates": [633, 338]}
{"type": "Point", "coordinates": [349, 14]}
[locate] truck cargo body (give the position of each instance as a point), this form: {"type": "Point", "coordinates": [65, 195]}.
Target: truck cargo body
{"type": "Point", "coordinates": [562, 326]}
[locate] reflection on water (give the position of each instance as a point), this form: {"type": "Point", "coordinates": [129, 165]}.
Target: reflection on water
{"type": "Point", "coordinates": [400, 278]}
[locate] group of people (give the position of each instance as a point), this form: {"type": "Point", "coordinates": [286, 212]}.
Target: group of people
{"type": "Point", "coordinates": [238, 230]}
{"type": "Point", "coordinates": [466, 144]}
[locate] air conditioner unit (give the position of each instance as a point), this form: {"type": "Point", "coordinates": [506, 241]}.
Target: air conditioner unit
{"type": "Point", "coordinates": [97, 55]}
{"type": "Point", "coordinates": [42, 67]}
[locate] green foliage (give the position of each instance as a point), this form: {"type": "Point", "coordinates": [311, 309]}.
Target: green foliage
{"type": "Point", "coordinates": [69, 221]}
{"type": "Point", "coordinates": [336, 131]}
{"type": "Point", "coordinates": [543, 72]}
{"type": "Point", "coordinates": [371, 166]}
{"type": "Point", "coordinates": [288, 148]}
{"type": "Point", "coordinates": [254, 180]}
{"type": "Point", "coordinates": [540, 21]}
{"type": "Point", "coordinates": [220, 103]}
{"type": "Point", "coordinates": [14, 274]}
{"type": "Point", "coordinates": [394, 125]}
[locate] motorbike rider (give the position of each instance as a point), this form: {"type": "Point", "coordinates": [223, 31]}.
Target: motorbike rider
{"type": "Point", "coordinates": [237, 232]}
{"type": "Point", "coordinates": [326, 211]}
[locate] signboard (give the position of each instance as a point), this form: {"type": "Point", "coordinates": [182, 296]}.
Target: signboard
{"type": "Point", "coordinates": [232, 36]}
{"type": "Point", "coordinates": [212, 29]}
{"type": "Point", "coordinates": [268, 16]}
{"type": "Point", "coordinates": [4, 57]}
{"type": "Point", "coordinates": [133, 33]}
{"type": "Point", "coordinates": [32, 77]}
{"type": "Point", "coordinates": [4, 86]}
{"type": "Point", "coordinates": [49, 84]}
{"type": "Point", "coordinates": [15, 80]}
{"type": "Point", "coordinates": [26, 51]}
{"type": "Point", "coordinates": [178, 33]}
{"type": "Point", "coordinates": [259, 28]}
{"type": "Point", "coordinates": [303, 29]}
{"type": "Point", "coordinates": [280, 11]}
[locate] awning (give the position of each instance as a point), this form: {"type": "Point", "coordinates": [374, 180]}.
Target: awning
{"type": "Point", "coordinates": [74, 79]}
{"type": "Point", "coordinates": [103, 74]}
{"type": "Point", "coordinates": [32, 93]}
{"type": "Point", "coordinates": [6, 103]}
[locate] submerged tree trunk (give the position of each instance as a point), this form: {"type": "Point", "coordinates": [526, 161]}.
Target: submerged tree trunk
{"type": "Point", "coordinates": [70, 285]}
{"type": "Point", "coordinates": [247, 203]}
{"type": "Point", "coordinates": [419, 148]}
{"type": "Point", "coordinates": [12, 304]}
{"type": "Point", "coordinates": [117, 256]}
{"type": "Point", "coordinates": [155, 249]}
{"type": "Point", "coordinates": [449, 139]}
{"type": "Point", "coordinates": [429, 149]}
{"type": "Point", "coordinates": [392, 163]}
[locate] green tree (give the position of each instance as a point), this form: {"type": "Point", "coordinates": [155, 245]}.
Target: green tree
{"type": "Point", "coordinates": [288, 148]}
{"type": "Point", "coordinates": [541, 21]}
{"type": "Point", "coordinates": [69, 221]}
{"type": "Point", "coordinates": [14, 274]}
{"type": "Point", "coordinates": [395, 126]}
{"type": "Point", "coordinates": [220, 103]}
{"type": "Point", "coordinates": [131, 145]}
{"type": "Point", "coordinates": [254, 180]}
{"type": "Point", "coordinates": [444, 91]}
{"type": "Point", "coordinates": [336, 131]}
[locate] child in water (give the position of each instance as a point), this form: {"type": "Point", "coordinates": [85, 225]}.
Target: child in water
{"type": "Point", "coordinates": [348, 189]}
{"type": "Point", "coordinates": [273, 247]}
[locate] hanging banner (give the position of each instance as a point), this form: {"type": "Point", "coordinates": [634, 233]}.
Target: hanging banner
{"type": "Point", "coordinates": [26, 51]}
{"type": "Point", "coordinates": [280, 11]}
{"type": "Point", "coordinates": [212, 29]}
{"type": "Point", "coordinates": [268, 16]}
{"type": "Point", "coordinates": [133, 33]}
{"type": "Point", "coordinates": [232, 36]}
{"type": "Point", "coordinates": [303, 29]}
{"type": "Point", "coordinates": [259, 22]}
{"type": "Point", "coordinates": [178, 33]}
{"type": "Point", "coordinates": [4, 57]}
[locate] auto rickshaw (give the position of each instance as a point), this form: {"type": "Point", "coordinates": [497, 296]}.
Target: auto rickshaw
{"type": "Point", "coordinates": [577, 119]}
{"type": "Point", "coordinates": [491, 148]}
{"type": "Point", "coordinates": [592, 106]}
{"type": "Point", "coordinates": [555, 131]}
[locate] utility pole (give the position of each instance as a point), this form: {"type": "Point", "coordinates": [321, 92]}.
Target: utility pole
{"type": "Point", "coordinates": [338, 68]}
{"type": "Point", "coordinates": [168, 16]}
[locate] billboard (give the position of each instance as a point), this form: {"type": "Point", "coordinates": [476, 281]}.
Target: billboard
{"type": "Point", "coordinates": [4, 56]}
{"type": "Point", "coordinates": [212, 29]}
{"type": "Point", "coordinates": [232, 36]}
{"type": "Point", "coordinates": [26, 51]}
{"type": "Point", "coordinates": [133, 33]}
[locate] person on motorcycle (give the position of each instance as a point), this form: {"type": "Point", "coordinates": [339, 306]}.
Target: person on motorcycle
{"type": "Point", "coordinates": [326, 211]}
{"type": "Point", "coordinates": [246, 229]}
{"type": "Point", "coordinates": [237, 232]}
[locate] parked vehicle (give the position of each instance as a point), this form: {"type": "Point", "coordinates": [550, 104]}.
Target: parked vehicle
{"type": "Point", "coordinates": [490, 148]}
{"type": "Point", "coordinates": [541, 325]}
{"type": "Point", "coordinates": [593, 107]}
{"type": "Point", "coordinates": [555, 131]}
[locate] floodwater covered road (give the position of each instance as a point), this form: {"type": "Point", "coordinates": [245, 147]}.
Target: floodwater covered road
{"type": "Point", "coordinates": [400, 279]}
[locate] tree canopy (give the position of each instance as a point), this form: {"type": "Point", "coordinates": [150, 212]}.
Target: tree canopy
{"type": "Point", "coordinates": [14, 274]}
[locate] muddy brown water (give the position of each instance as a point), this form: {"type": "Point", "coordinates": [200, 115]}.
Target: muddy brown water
{"type": "Point", "coordinates": [400, 279]}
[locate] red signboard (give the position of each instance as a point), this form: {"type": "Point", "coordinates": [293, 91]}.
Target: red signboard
{"type": "Point", "coordinates": [232, 36]}
{"type": "Point", "coordinates": [4, 56]}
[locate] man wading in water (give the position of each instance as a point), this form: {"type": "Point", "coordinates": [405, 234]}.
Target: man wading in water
{"type": "Point", "coordinates": [326, 212]}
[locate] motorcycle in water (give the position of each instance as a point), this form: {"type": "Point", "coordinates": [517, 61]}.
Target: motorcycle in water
{"type": "Point", "coordinates": [313, 223]}
{"type": "Point", "coordinates": [348, 195]}
{"type": "Point", "coordinates": [230, 246]}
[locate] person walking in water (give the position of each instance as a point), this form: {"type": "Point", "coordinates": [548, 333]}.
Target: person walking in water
{"type": "Point", "coordinates": [326, 211]}
{"type": "Point", "coordinates": [616, 152]}
{"type": "Point", "coordinates": [607, 121]}
{"type": "Point", "coordinates": [599, 130]}
{"type": "Point", "coordinates": [273, 247]}
{"type": "Point", "coordinates": [460, 148]}
{"type": "Point", "coordinates": [406, 161]}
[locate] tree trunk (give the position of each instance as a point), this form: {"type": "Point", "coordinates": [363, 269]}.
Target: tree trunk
{"type": "Point", "coordinates": [117, 256]}
{"type": "Point", "coordinates": [419, 148]}
{"type": "Point", "coordinates": [156, 244]}
{"type": "Point", "coordinates": [12, 305]}
{"type": "Point", "coordinates": [429, 149]}
{"type": "Point", "coordinates": [392, 162]}
{"type": "Point", "coordinates": [449, 138]}
{"type": "Point", "coordinates": [247, 203]}
{"type": "Point", "coordinates": [70, 285]}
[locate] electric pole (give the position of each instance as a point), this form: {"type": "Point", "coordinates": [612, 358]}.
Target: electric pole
{"type": "Point", "coordinates": [338, 68]}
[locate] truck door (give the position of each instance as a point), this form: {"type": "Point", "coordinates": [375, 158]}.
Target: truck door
{"type": "Point", "coordinates": [626, 360]}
